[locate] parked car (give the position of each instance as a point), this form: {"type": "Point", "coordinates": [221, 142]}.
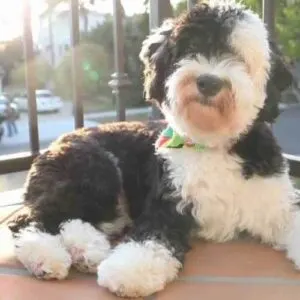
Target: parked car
{"type": "Point", "coordinates": [45, 102]}
{"type": "Point", "coordinates": [3, 102]}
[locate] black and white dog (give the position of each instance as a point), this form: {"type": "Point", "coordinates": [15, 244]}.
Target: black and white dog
{"type": "Point", "coordinates": [214, 172]}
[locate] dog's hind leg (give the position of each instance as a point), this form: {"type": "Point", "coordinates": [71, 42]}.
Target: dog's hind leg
{"type": "Point", "coordinates": [72, 190]}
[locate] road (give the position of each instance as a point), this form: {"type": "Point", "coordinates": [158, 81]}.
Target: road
{"type": "Point", "coordinates": [286, 129]}
{"type": "Point", "coordinates": [52, 126]}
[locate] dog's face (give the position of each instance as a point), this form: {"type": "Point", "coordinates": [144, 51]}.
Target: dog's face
{"type": "Point", "coordinates": [208, 70]}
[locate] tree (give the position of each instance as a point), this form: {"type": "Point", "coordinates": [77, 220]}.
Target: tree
{"type": "Point", "coordinates": [43, 73]}
{"type": "Point", "coordinates": [49, 13]}
{"type": "Point", "coordinates": [102, 35]}
{"type": "Point", "coordinates": [287, 25]}
{"type": "Point", "coordinates": [287, 22]}
{"type": "Point", "coordinates": [94, 69]}
{"type": "Point", "coordinates": [136, 29]}
{"type": "Point", "coordinates": [11, 54]}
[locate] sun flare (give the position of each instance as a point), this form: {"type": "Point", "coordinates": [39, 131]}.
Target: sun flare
{"type": "Point", "coordinates": [11, 17]}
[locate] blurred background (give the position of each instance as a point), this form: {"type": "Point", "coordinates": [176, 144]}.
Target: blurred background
{"type": "Point", "coordinates": [51, 23]}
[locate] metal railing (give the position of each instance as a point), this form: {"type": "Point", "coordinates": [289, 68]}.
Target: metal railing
{"type": "Point", "coordinates": [120, 81]}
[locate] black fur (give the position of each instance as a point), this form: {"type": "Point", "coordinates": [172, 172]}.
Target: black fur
{"type": "Point", "coordinates": [160, 220]}
{"type": "Point", "coordinates": [77, 179]}
{"type": "Point", "coordinates": [259, 152]}
{"type": "Point", "coordinates": [84, 180]}
{"type": "Point", "coordinates": [280, 79]}
{"type": "Point", "coordinates": [85, 174]}
{"type": "Point", "coordinates": [191, 36]}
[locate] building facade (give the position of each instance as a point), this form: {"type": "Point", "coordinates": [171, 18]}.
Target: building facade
{"type": "Point", "coordinates": [54, 38]}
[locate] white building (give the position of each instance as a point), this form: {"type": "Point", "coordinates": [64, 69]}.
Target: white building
{"type": "Point", "coordinates": [59, 34]}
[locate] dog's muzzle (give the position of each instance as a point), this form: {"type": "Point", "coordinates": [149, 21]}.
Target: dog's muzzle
{"type": "Point", "coordinates": [209, 85]}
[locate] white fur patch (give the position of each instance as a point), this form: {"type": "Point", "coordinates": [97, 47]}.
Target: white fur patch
{"type": "Point", "coordinates": [224, 203]}
{"type": "Point", "coordinates": [86, 245]}
{"type": "Point", "coordinates": [250, 39]}
{"type": "Point", "coordinates": [117, 225]}
{"type": "Point", "coordinates": [42, 254]}
{"type": "Point", "coordinates": [292, 240]}
{"type": "Point", "coordinates": [247, 70]}
{"type": "Point", "coordinates": [138, 269]}
{"type": "Point", "coordinates": [248, 97]}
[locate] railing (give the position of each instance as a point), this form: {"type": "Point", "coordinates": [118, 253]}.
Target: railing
{"type": "Point", "coordinates": [22, 161]}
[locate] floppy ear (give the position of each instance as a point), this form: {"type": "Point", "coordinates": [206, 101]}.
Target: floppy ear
{"type": "Point", "coordinates": [156, 57]}
{"type": "Point", "coordinates": [280, 79]}
{"type": "Point", "coordinates": [281, 75]}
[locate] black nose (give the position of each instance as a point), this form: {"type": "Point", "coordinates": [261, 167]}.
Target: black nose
{"type": "Point", "coordinates": [209, 85]}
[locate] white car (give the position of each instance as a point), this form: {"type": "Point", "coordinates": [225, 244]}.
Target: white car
{"type": "Point", "coordinates": [45, 102]}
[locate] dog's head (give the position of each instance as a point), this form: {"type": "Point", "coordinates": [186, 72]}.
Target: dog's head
{"type": "Point", "coordinates": [208, 70]}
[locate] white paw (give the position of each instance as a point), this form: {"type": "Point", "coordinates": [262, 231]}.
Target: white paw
{"type": "Point", "coordinates": [138, 269]}
{"type": "Point", "coordinates": [86, 245]}
{"type": "Point", "coordinates": [42, 254]}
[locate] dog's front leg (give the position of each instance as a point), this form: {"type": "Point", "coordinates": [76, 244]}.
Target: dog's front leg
{"type": "Point", "coordinates": [151, 256]}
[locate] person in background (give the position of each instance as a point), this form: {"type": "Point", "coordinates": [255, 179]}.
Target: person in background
{"type": "Point", "coordinates": [10, 118]}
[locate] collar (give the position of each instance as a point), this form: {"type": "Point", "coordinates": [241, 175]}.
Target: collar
{"type": "Point", "coordinates": [171, 139]}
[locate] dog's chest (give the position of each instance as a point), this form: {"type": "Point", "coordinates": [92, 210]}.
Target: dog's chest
{"type": "Point", "coordinates": [205, 178]}
{"type": "Point", "coordinates": [223, 201]}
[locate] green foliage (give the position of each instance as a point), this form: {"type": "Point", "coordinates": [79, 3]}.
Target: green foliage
{"type": "Point", "coordinates": [287, 23]}
{"type": "Point", "coordinates": [255, 5]}
{"type": "Point", "coordinates": [94, 68]}
{"type": "Point", "coordinates": [288, 28]}
{"type": "Point", "coordinates": [136, 29]}
{"type": "Point", "coordinates": [11, 55]}
{"type": "Point", "coordinates": [43, 73]}
{"type": "Point", "coordinates": [97, 52]}
{"type": "Point", "coordinates": [180, 7]}
{"type": "Point", "coordinates": [102, 36]}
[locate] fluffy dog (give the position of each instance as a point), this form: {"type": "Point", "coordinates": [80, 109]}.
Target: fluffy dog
{"type": "Point", "coordinates": [213, 171]}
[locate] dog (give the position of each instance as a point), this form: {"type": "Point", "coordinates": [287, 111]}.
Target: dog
{"type": "Point", "coordinates": [212, 169]}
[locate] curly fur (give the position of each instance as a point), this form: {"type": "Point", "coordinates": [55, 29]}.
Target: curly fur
{"type": "Point", "coordinates": [94, 184]}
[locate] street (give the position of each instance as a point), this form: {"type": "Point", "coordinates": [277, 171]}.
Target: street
{"type": "Point", "coordinates": [51, 126]}
{"type": "Point", "coordinates": [287, 130]}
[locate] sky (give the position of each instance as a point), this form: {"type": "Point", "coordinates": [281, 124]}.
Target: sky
{"type": "Point", "coordinates": [11, 14]}
{"type": "Point", "coordinates": [11, 17]}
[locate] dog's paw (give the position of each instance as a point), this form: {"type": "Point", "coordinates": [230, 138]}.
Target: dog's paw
{"type": "Point", "coordinates": [42, 254]}
{"type": "Point", "coordinates": [138, 269]}
{"type": "Point", "coordinates": [86, 245]}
